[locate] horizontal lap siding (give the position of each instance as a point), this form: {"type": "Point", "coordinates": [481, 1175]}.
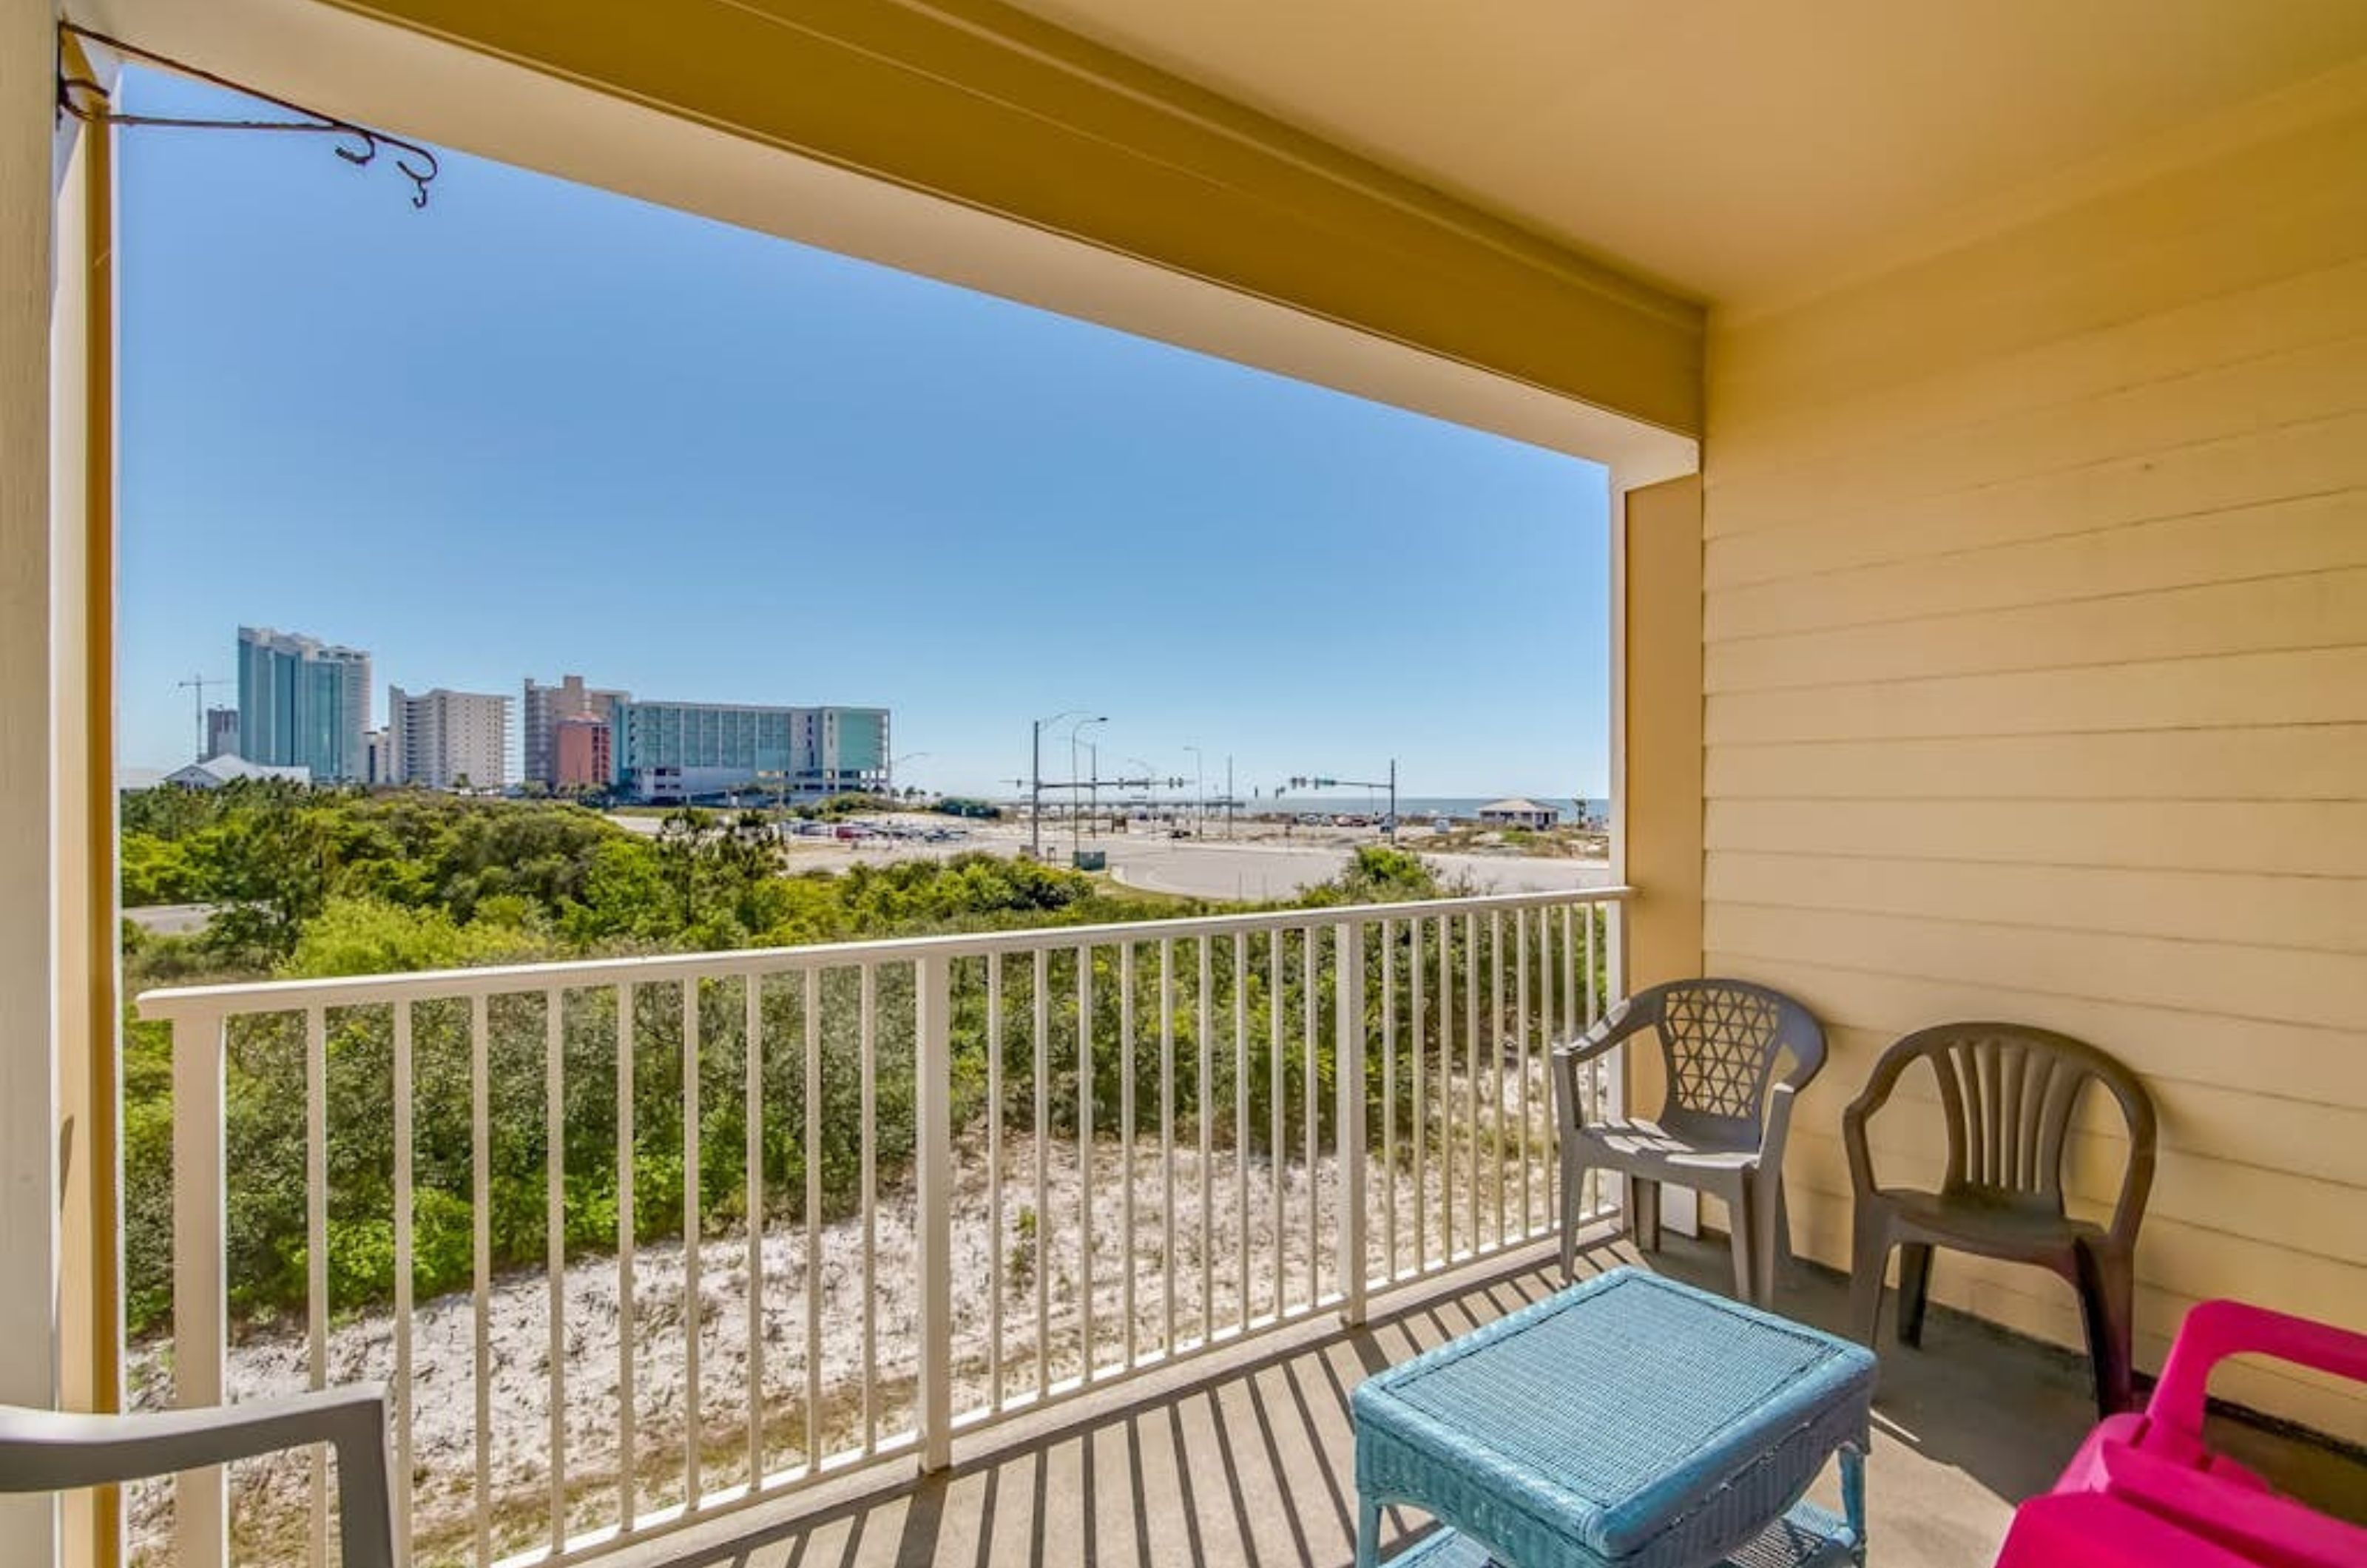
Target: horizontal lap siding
{"type": "Point", "coordinates": [2035, 687]}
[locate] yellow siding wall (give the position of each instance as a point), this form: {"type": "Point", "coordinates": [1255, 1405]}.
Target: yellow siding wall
{"type": "Point", "coordinates": [2034, 628]}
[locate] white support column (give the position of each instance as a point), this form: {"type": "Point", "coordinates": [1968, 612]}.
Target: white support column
{"type": "Point", "coordinates": [932, 1095]}
{"type": "Point", "coordinates": [1657, 796]}
{"type": "Point", "coordinates": [29, 1162]}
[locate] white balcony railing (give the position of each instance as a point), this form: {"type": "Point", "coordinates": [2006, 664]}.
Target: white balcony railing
{"type": "Point", "coordinates": [954, 1178]}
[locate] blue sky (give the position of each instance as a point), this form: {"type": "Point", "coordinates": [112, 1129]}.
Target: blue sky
{"type": "Point", "coordinates": [537, 428]}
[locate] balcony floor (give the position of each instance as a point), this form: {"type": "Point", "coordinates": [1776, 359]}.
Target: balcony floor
{"type": "Point", "coordinates": [1251, 1460]}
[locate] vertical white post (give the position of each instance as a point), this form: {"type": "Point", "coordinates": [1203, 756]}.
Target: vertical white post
{"type": "Point", "coordinates": [554, 1237]}
{"type": "Point", "coordinates": [480, 1206]}
{"type": "Point", "coordinates": [200, 1341]}
{"type": "Point", "coordinates": [405, 1396]}
{"type": "Point", "coordinates": [627, 1476]}
{"type": "Point", "coordinates": [692, 1438]}
{"type": "Point", "coordinates": [934, 1117]}
{"type": "Point", "coordinates": [995, 1109]}
{"type": "Point", "coordinates": [752, 996]}
{"type": "Point", "coordinates": [1348, 1053]}
{"type": "Point", "coordinates": [867, 1040]}
{"type": "Point", "coordinates": [316, 1262]}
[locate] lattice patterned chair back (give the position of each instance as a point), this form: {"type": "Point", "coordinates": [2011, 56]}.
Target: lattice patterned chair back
{"type": "Point", "coordinates": [1719, 1043]}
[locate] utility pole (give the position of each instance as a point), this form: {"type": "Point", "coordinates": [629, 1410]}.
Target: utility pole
{"type": "Point", "coordinates": [196, 685]}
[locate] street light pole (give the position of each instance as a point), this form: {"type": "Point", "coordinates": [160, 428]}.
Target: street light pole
{"type": "Point", "coordinates": [1035, 781]}
{"type": "Point", "coordinates": [1035, 791]}
{"type": "Point", "coordinates": [895, 763]}
{"type": "Point", "coordinates": [1076, 833]}
{"type": "Point", "coordinates": [1199, 793]}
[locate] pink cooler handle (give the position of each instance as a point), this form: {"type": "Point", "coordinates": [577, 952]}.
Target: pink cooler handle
{"type": "Point", "coordinates": [2216, 1330]}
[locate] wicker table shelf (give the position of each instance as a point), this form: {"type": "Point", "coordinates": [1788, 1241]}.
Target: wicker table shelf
{"type": "Point", "coordinates": [1629, 1422]}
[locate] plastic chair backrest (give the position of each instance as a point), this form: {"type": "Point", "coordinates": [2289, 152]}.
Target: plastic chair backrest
{"type": "Point", "coordinates": [2008, 1094]}
{"type": "Point", "coordinates": [1719, 1043]}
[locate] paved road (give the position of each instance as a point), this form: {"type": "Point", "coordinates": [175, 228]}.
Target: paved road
{"type": "Point", "coordinates": [171, 920]}
{"type": "Point", "coordinates": [1196, 869]}
{"type": "Point", "coordinates": [1275, 870]}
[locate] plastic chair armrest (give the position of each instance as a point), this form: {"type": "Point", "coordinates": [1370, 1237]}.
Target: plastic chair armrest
{"type": "Point", "coordinates": [1854, 1117]}
{"type": "Point", "coordinates": [1779, 1125]}
{"type": "Point", "coordinates": [1608, 1032]}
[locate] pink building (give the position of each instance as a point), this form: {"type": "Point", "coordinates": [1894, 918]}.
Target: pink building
{"type": "Point", "coordinates": [579, 753]}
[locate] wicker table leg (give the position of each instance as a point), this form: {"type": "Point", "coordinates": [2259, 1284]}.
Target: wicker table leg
{"type": "Point", "coordinates": [1854, 1490]}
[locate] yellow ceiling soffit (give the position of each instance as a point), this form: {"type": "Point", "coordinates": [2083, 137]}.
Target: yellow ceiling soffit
{"type": "Point", "coordinates": [979, 104]}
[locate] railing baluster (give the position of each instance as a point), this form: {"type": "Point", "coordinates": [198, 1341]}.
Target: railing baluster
{"type": "Point", "coordinates": [554, 1252]}
{"type": "Point", "coordinates": [994, 1114]}
{"type": "Point", "coordinates": [1594, 1070]}
{"type": "Point", "coordinates": [1388, 1100]}
{"type": "Point", "coordinates": [481, 1207]}
{"type": "Point", "coordinates": [627, 1489]}
{"type": "Point", "coordinates": [751, 1032]}
{"type": "Point", "coordinates": [1473, 972]}
{"type": "Point", "coordinates": [1594, 985]}
{"type": "Point", "coordinates": [316, 1259]}
{"type": "Point", "coordinates": [1309, 953]}
{"type": "Point", "coordinates": [1445, 1088]}
{"type": "Point", "coordinates": [1521, 1025]}
{"type": "Point", "coordinates": [1241, 1115]}
{"type": "Point", "coordinates": [1085, 1159]}
{"type": "Point", "coordinates": [404, 1396]}
{"type": "Point", "coordinates": [812, 1152]}
{"type": "Point", "coordinates": [1546, 1036]}
{"type": "Point", "coordinates": [1419, 1023]}
{"type": "Point", "coordinates": [691, 1436]}
{"type": "Point", "coordinates": [1167, 1132]}
{"type": "Point", "coordinates": [1496, 1059]}
{"type": "Point", "coordinates": [1206, 1018]}
{"type": "Point", "coordinates": [1125, 1113]}
{"type": "Point", "coordinates": [1041, 1238]}
{"type": "Point", "coordinates": [866, 1054]}
{"type": "Point", "coordinates": [1274, 1100]}
{"type": "Point", "coordinates": [1348, 1119]}
{"type": "Point", "coordinates": [1573, 1012]}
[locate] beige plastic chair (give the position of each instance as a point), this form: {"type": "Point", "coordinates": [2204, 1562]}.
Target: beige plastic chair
{"type": "Point", "coordinates": [1719, 1041]}
{"type": "Point", "coordinates": [57, 1450]}
{"type": "Point", "coordinates": [2009, 1094]}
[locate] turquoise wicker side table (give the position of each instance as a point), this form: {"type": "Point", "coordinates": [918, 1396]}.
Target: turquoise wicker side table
{"type": "Point", "coordinates": [1629, 1422]}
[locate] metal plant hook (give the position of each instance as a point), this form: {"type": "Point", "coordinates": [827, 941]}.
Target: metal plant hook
{"type": "Point", "coordinates": [358, 144]}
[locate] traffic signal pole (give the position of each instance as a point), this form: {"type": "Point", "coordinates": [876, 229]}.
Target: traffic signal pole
{"type": "Point", "coordinates": [1389, 784]}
